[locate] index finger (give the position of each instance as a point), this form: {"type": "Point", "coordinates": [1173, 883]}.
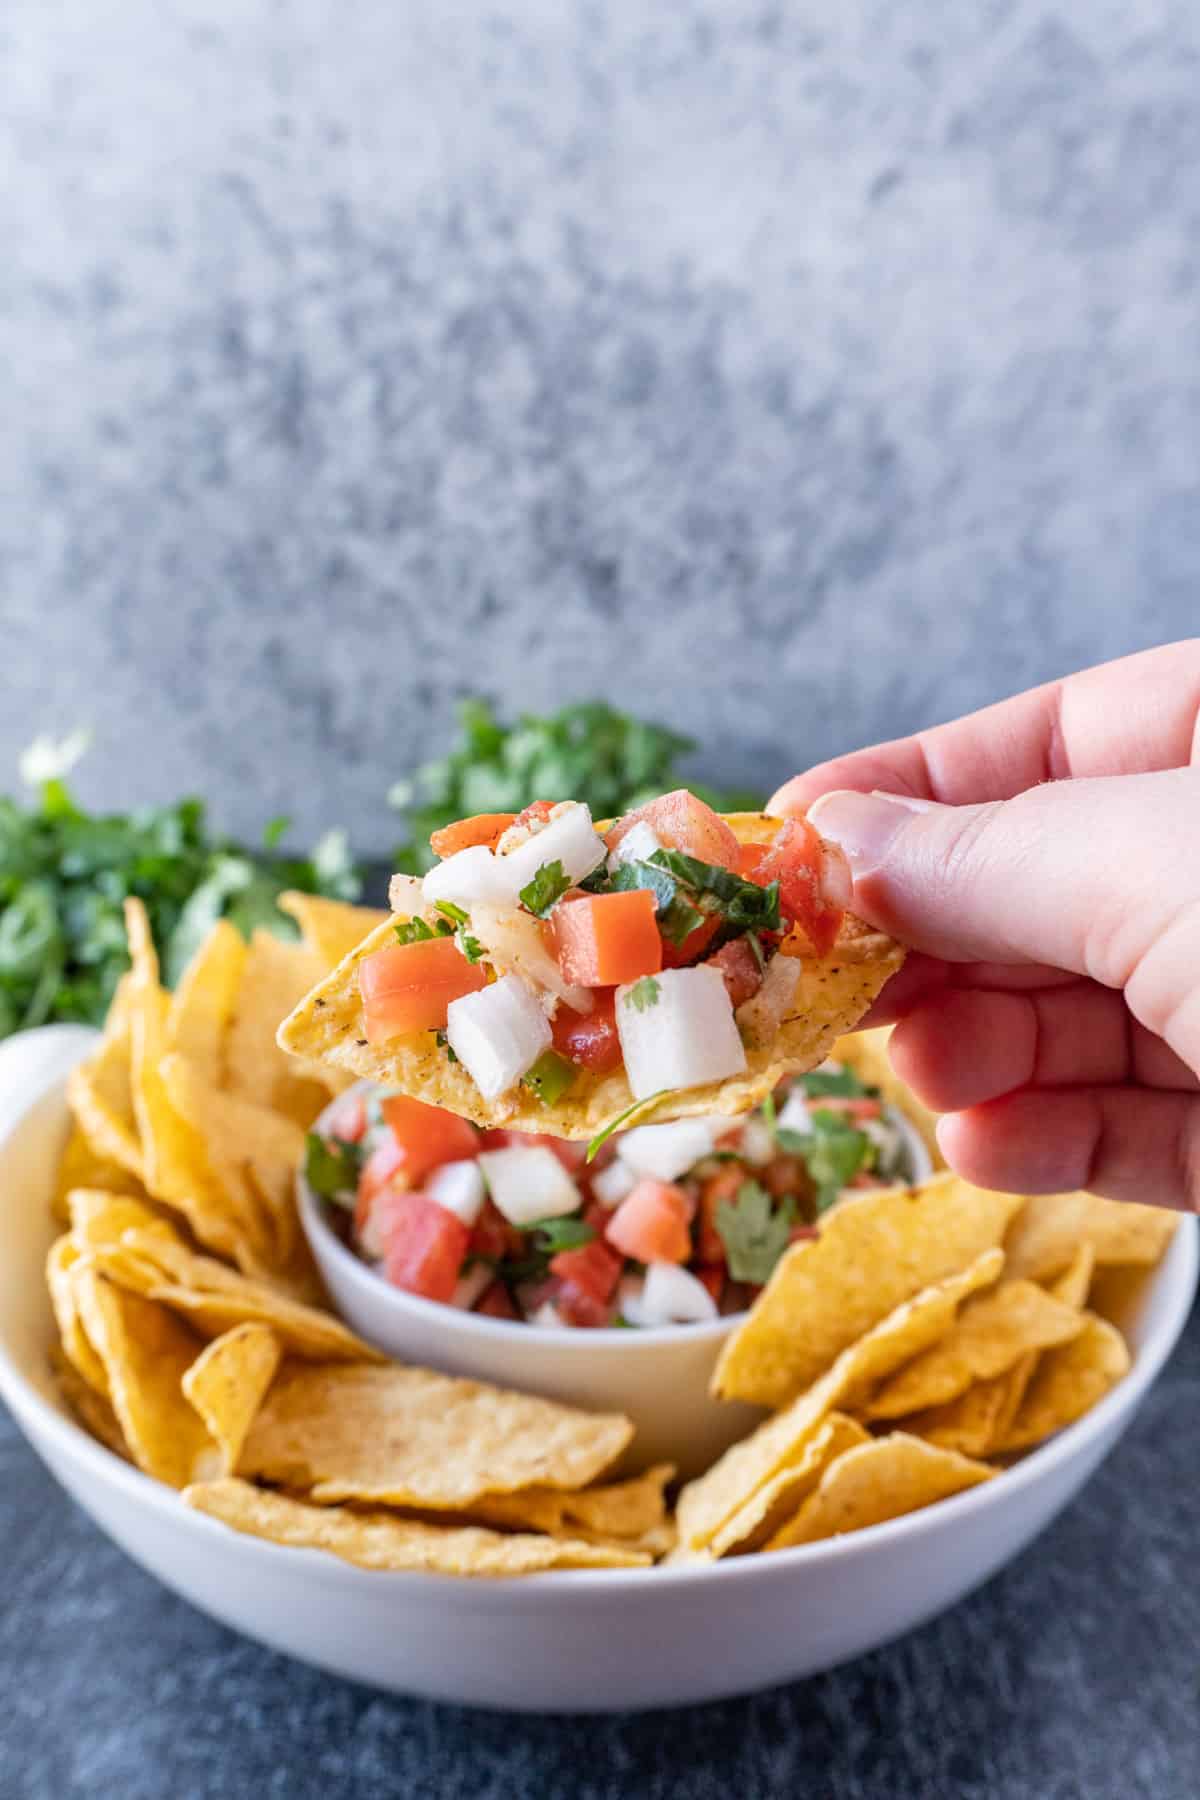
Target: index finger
{"type": "Point", "coordinates": [1133, 716]}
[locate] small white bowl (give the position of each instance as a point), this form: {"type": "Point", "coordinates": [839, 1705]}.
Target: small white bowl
{"type": "Point", "coordinates": [659, 1376]}
{"type": "Point", "coordinates": [591, 1641]}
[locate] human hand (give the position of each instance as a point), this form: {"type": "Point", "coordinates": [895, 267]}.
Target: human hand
{"type": "Point", "coordinates": [1042, 858]}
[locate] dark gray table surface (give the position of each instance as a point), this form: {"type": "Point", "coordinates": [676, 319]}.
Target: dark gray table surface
{"type": "Point", "coordinates": [1075, 1672]}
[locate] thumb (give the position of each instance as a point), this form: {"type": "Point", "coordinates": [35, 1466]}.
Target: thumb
{"type": "Point", "coordinates": [1099, 877]}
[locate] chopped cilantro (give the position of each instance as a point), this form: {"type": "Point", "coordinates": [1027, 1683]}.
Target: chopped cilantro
{"type": "Point", "coordinates": [676, 914]}
{"type": "Point", "coordinates": [445, 1044]}
{"type": "Point", "coordinates": [834, 1152]}
{"type": "Point", "coordinates": [547, 887]}
{"type": "Point", "coordinates": [601, 1138]}
{"type": "Point", "coordinates": [416, 931]}
{"type": "Point", "coordinates": [742, 905]}
{"type": "Point", "coordinates": [550, 1077]}
{"type": "Point", "coordinates": [553, 1235]}
{"type": "Point", "coordinates": [470, 946]}
{"type": "Point", "coordinates": [331, 1167]}
{"type": "Point", "coordinates": [832, 1081]}
{"type": "Point", "coordinates": [755, 1234]}
{"type": "Point", "coordinates": [644, 994]}
{"type": "Point", "coordinates": [448, 910]}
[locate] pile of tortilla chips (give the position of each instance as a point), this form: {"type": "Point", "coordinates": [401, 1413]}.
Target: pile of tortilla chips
{"type": "Point", "coordinates": [906, 1353]}
{"type": "Point", "coordinates": [193, 1334]}
{"type": "Point", "coordinates": [834, 992]}
{"type": "Point", "coordinates": [925, 1336]}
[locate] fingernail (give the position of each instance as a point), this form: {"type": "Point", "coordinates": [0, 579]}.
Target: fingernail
{"type": "Point", "coordinates": [863, 824]}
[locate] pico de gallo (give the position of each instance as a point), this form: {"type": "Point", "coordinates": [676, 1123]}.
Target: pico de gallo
{"type": "Point", "coordinates": [668, 1224]}
{"type": "Point", "coordinates": [540, 949]}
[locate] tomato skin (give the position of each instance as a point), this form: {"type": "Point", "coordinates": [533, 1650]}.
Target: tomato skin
{"type": "Point", "coordinates": [424, 1244]}
{"type": "Point", "coordinates": [427, 1135]}
{"type": "Point", "coordinates": [739, 969]}
{"type": "Point", "coordinates": [719, 1188]}
{"type": "Point", "coordinates": [594, 1268]}
{"type": "Point", "coordinates": [408, 987]}
{"type": "Point", "coordinates": [713, 1276]}
{"type": "Point", "coordinates": [465, 834]}
{"type": "Point", "coordinates": [681, 956]}
{"type": "Point", "coordinates": [379, 1171]}
{"type": "Point", "coordinates": [493, 1237]}
{"type": "Point", "coordinates": [796, 860]}
{"type": "Point", "coordinates": [495, 1303]}
{"type": "Point", "coordinates": [682, 822]}
{"type": "Point", "coordinates": [590, 1039]}
{"type": "Point", "coordinates": [750, 861]}
{"type": "Point", "coordinates": [651, 1223]}
{"type": "Point", "coordinates": [537, 811]}
{"type": "Point", "coordinates": [602, 940]}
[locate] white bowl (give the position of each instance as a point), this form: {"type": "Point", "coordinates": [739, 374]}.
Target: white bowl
{"type": "Point", "coordinates": [659, 1377]}
{"type": "Point", "coordinates": [597, 1640]}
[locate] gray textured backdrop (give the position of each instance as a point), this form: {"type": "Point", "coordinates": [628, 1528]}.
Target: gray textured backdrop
{"type": "Point", "coordinates": [800, 374]}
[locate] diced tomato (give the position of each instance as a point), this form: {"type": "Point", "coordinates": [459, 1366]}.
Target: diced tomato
{"type": "Point", "coordinates": [681, 956]}
{"type": "Point", "coordinates": [853, 1106]}
{"type": "Point", "coordinates": [719, 1188]}
{"type": "Point", "coordinates": [537, 810]}
{"type": "Point", "coordinates": [408, 987]}
{"type": "Point", "coordinates": [590, 1039]}
{"type": "Point", "coordinates": [493, 1237]}
{"type": "Point", "coordinates": [427, 1135]}
{"type": "Point", "coordinates": [604, 939]}
{"type": "Point", "coordinates": [787, 1174]}
{"type": "Point", "coordinates": [378, 1172]}
{"type": "Point", "coordinates": [571, 1154]}
{"type": "Point", "coordinates": [577, 1307]}
{"type": "Point", "coordinates": [682, 822]}
{"type": "Point", "coordinates": [348, 1119]}
{"type": "Point", "coordinates": [465, 834]}
{"type": "Point", "coordinates": [651, 1223]}
{"type": "Point", "coordinates": [424, 1244]}
{"type": "Point", "coordinates": [796, 860]}
{"type": "Point", "coordinates": [595, 1268]}
{"type": "Point", "coordinates": [495, 1302]}
{"type": "Point", "coordinates": [750, 861]}
{"type": "Point", "coordinates": [739, 969]}
{"type": "Point", "coordinates": [713, 1277]}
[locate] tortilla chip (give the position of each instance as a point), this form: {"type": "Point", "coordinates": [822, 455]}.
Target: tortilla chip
{"type": "Point", "coordinates": [100, 1091]}
{"type": "Point", "coordinates": [202, 1005]}
{"type": "Point", "coordinates": [409, 1437]}
{"type": "Point", "coordinates": [99, 1218]}
{"type": "Point", "coordinates": [76, 1345]}
{"type": "Point", "coordinates": [881, 1480]}
{"type": "Point", "coordinates": [990, 1334]}
{"type": "Point", "coordinates": [92, 1410]}
{"type": "Point", "coordinates": [833, 993]}
{"type": "Point", "coordinates": [778, 1499]}
{"type": "Point", "coordinates": [866, 1053]}
{"type": "Point", "coordinates": [275, 978]}
{"type": "Point", "coordinates": [145, 1352]}
{"type": "Point", "coordinates": [382, 1541]}
{"type": "Point", "coordinates": [81, 1167]}
{"type": "Point", "coordinates": [623, 1509]}
{"type": "Point", "coordinates": [331, 928]}
{"type": "Point", "coordinates": [875, 1250]}
{"type": "Point", "coordinates": [1050, 1228]}
{"type": "Point", "coordinates": [1074, 1284]}
{"type": "Point", "coordinates": [214, 1298]}
{"type": "Point", "coordinates": [252, 1152]}
{"type": "Point", "coordinates": [227, 1382]}
{"type": "Point", "coordinates": [1067, 1383]}
{"type": "Point", "coordinates": [731, 1484]}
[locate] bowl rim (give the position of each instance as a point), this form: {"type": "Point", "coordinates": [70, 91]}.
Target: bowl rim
{"type": "Point", "coordinates": [92, 1459]}
{"type": "Point", "coordinates": [324, 1241]}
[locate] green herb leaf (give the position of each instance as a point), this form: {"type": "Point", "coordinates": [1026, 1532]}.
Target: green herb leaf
{"type": "Point", "coordinates": [444, 1044]}
{"type": "Point", "coordinates": [448, 910]}
{"type": "Point", "coordinates": [550, 1077]}
{"type": "Point", "coordinates": [331, 1167]}
{"type": "Point", "coordinates": [676, 915]}
{"type": "Point", "coordinates": [644, 994]}
{"type": "Point", "coordinates": [754, 1232]}
{"type": "Point", "coordinates": [416, 931]}
{"type": "Point", "coordinates": [548, 886]}
{"type": "Point", "coordinates": [601, 1138]}
{"type": "Point", "coordinates": [834, 1153]}
{"type": "Point", "coordinates": [470, 946]}
{"type": "Point", "coordinates": [796, 1143]}
{"type": "Point", "coordinates": [553, 1235]}
{"type": "Point", "coordinates": [742, 905]}
{"type": "Point", "coordinates": [832, 1081]}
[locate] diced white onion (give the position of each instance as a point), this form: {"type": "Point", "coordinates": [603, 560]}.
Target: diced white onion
{"type": "Point", "coordinates": [470, 1286]}
{"type": "Point", "coordinates": [629, 1298]}
{"type": "Point", "coordinates": [685, 1037]}
{"type": "Point", "coordinates": [515, 944]}
{"type": "Point", "coordinates": [527, 1183]}
{"type": "Point", "coordinates": [406, 895]}
{"type": "Point", "coordinates": [611, 1185]}
{"type": "Point", "coordinates": [370, 1237]}
{"type": "Point", "coordinates": [497, 1034]}
{"type": "Point", "coordinates": [837, 882]}
{"type": "Point", "coordinates": [794, 1114]}
{"type": "Point", "coordinates": [548, 1316]}
{"type": "Point", "coordinates": [638, 845]}
{"type": "Point", "coordinates": [761, 1016]}
{"type": "Point", "coordinates": [459, 1187]}
{"type": "Point", "coordinates": [570, 839]}
{"type": "Point", "coordinates": [757, 1143]}
{"type": "Point", "coordinates": [468, 877]}
{"type": "Point", "coordinates": [666, 1151]}
{"type": "Point", "coordinates": [670, 1296]}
